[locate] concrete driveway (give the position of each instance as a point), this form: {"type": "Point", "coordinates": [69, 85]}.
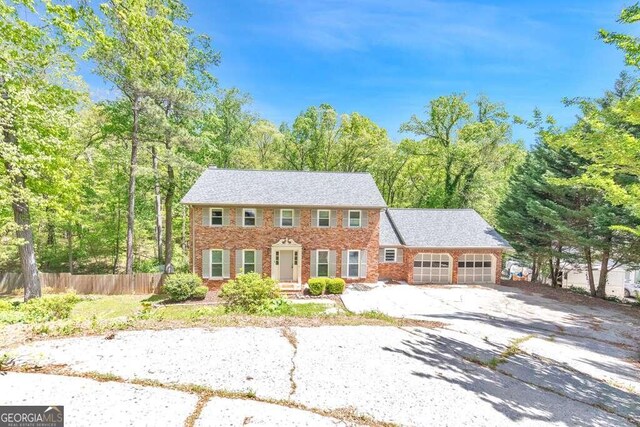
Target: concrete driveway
{"type": "Point", "coordinates": [504, 358]}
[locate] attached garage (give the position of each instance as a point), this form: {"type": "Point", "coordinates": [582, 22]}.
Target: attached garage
{"type": "Point", "coordinates": [432, 268]}
{"type": "Point", "coordinates": [476, 268]}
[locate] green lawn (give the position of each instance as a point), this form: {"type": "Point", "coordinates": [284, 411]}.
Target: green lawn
{"type": "Point", "coordinates": [108, 306]}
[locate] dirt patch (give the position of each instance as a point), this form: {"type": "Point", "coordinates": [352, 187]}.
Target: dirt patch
{"type": "Point", "coordinates": [568, 297]}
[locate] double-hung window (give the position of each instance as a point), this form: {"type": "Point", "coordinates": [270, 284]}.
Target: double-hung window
{"type": "Point", "coordinates": [390, 254]}
{"type": "Point", "coordinates": [286, 217]}
{"type": "Point", "coordinates": [322, 263]}
{"type": "Point", "coordinates": [355, 219]}
{"type": "Point", "coordinates": [249, 217]}
{"type": "Point", "coordinates": [353, 263]}
{"type": "Point", "coordinates": [216, 216]}
{"type": "Point", "coordinates": [324, 218]}
{"type": "Point", "coordinates": [248, 261]}
{"type": "Point", "coordinates": [216, 262]}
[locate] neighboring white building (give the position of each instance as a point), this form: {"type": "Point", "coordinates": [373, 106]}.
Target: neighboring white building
{"type": "Point", "coordinates": [616, 279]}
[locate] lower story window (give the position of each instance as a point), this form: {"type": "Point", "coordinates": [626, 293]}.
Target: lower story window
{"type": "Point", "coordinates": [216, 263]}
{"type": "Point", "coordinates": [249, 260]}
{"type": "Point", "coordinates": [322, 267]}
{"type": "Point", "coordinates": [353, 264]}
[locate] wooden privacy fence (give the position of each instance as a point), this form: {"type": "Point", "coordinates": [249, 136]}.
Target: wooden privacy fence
{"type": "Point", "coordinates": [106, 284]}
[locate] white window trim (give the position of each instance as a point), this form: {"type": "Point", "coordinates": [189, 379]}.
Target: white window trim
{"type": "Point", "coordinates": [318, 260]}
{"type": "Point", "coordinates": [255, 216]}
{"type": "Point", "coordinates": [211, 217]}
{"type": "Point", "coordinates": [359, 219]}
{"type": "Point", "coordinates": [244, 251]}
{"type": "Point", "coordinates": [282, 217]}
{"type": "Point", "coordinates": [318, 218]}
{"type": "Point", "coordinates": [211, 251]}
{"type": "Point", "coordinates": [395, 255]}
{"type": "Point", "coordinates": [349, 251]}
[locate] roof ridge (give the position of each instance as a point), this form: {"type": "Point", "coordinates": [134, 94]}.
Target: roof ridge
{"type": "Point", "coordinates": [393, 226]}
{"type": "Point", "coordinates": [213, 168]}
{"type": "Point", "coordinates": [433, 209]}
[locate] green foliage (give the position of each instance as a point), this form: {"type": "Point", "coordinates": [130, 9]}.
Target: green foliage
{"type": "Point", "coordinates": [181, 286]}
{"type": "Point", "coordinates": [317, 285]}
{"type": "Point", "coordinates": [277, 306]}
{"type": "Point", "coordinates": [55, 307]}
{"type": "Point", "coordinates": [200, 292]}
{"type": "Point", "coordinates": [578, 290]}
{"type": "Point", "coordinates": [248, 293]}
{"type": "Point", "coordinates": [335, 286]}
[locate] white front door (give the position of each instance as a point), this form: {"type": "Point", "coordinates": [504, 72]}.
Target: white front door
{"type": "Point", "coordinates": [286, 266]}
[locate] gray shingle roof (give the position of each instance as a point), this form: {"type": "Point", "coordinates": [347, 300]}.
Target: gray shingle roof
{"type": "Point", "coordinates": [444, 228]}
{"type": "Point", "coordinates": [284, 188]}
{"type": "Point", "coordinates": [388, 236]}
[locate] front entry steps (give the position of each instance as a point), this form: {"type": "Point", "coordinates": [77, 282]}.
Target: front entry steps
{"type": "Point", "coordinates": [290, 287]}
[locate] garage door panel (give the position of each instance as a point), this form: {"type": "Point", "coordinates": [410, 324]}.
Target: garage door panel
{"type": "Point", "coordinates": [432, 268]}
{"type": "Point", "coordinates": [476, 268]}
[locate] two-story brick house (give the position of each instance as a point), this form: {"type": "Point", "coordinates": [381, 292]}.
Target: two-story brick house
{"type": "Point", "coordinates": [293, 225]}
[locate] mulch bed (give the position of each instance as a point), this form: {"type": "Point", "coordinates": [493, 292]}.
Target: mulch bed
{"type": "Point", "coordinates": [567, 296]}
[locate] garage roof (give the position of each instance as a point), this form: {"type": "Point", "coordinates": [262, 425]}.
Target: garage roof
{"type": "Point", "coordinates": [441, 228]}
{"type": "Point", "coordinates": [284, 188]}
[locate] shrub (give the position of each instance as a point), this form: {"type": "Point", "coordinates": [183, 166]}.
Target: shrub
{"type": "Point", "coordinates": [335, 286]}
{"type": "Point", "coordinates": [249, 292]}
{"type": "Point", "coordinates": [181, 286]}
{"type": "Point", "coordinates": [278, 306]}
{"type": "Point", "coordinates": [200, 292]}
{"type": "Point", "coordinates": [581, 291]}
{"type": "Point", "coordinates": [49, 308]}
{"type": "Point", "coordinates": [6, 305]}
{"type": "Point", "coordinates": [317, 285]}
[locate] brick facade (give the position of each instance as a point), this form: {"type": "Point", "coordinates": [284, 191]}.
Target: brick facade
{"type": "Point", "coordinates": [233, 237]}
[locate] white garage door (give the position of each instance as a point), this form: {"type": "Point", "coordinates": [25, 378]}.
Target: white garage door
{"type": "Point", "coordinates": [476, 268]}
{"type": "Point", "coordinates": [432, 268]}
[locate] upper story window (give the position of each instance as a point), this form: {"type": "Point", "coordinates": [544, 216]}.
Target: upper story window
{"type": "Point", "coordinates": [249, 217]}
{"type": "Point", "coordinates": [216, 216]}
{"type": "Point", "coordinates": [390, 255]}
{"type": "Point", "coordinates": [355, 219]}
{"type": "Point", "coordinates": [324, 218]}
{"type": "Point", "coordinates": [286, 217]}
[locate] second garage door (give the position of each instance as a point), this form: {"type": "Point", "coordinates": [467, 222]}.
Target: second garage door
{"type": "Point", "coordinates": [432, 268]}
{"type": "Point", "coordinates": [476, 268]}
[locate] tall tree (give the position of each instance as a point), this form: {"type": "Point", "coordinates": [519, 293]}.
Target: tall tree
{"type": "Point", "coordinates": [37, 101]}
{"type": "Point", "coordinates": [134, 44]}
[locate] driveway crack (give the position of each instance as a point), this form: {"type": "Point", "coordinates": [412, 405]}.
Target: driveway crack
{"type": "Point", "coordinates": [290, 335]}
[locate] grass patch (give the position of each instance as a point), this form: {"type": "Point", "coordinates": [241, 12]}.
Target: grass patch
{"type": "Point", "coordinates": [108, 307]}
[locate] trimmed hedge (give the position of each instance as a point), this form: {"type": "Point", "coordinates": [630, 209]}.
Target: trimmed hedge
{"type": "Point", "coordinates": [181, 286]}
{"type": "Point", "coordinates": [335, 286]}
{"type": "Point", "coordinates": [317, 285]}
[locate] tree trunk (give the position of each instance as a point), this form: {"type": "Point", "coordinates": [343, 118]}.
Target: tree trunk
{"type": "Point", "coordinates": [554, 275]}
{"type": "Point", "coordinates": [601, 291]}
{"type": "Point", "coordinates": [24, 232]}
{"type": "Point", "coordinates": [534, 270]}
{"type": "Point", "coordinates": [70, 249]}
{"type": "Point", "coordinates": [133, 168]}
{"type": "Point", "coordinates": [168, 217]}
{"type": "Point", "coordinates": [592, 286]}
{"type": "Point", "coordinates": [158, 202]}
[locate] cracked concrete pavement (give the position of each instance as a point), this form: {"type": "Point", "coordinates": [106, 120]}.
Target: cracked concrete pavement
{"type": "Point", "coordinates": [566, 373]}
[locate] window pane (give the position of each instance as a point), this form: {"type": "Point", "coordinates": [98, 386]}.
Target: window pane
{"type": "Point", "coordinates": [286, 222]}
{"type": "Point", "coordinates": [323, 218]}
{"type": "Point", "coordinates": [249, 256]}
{"type": "Point", "coordinates": [460, 264]}
{"type": "Point", "coordinates": [417, 264]}
{"type": "Point", "coordinates": [354, 257]}
{"type": "Point", "coordinates": [426, 263]}
{"type": "Point", "coordinates": [323, 214]}
{"type": "Point", "coordinates": [216, 256]}
{"type": "Point", "coordinates": [216, 270]}
{"type": "Point", "coordinates": [444, 264]}
{"type": "Point", "coordinates": [354, 218]}
{"type": "Point", "coordinates": [249, 268]}
{"type": "Point", "coordinates": [216, 217]}
{"type": "Point", "coordinates": [353, 270]}
{"type": "Point", "coordinates": [287, 213]}
{"type": "Point", "coordinates": [249, 217]}
{"type": "Point", "coordinates": [323, 270]}
{"type": "Point", "coordinates": [487, 263]}
{"type": "Point", "coordinates": [323, 257]}
{"type": "Point", "coordinates": [478, 264]}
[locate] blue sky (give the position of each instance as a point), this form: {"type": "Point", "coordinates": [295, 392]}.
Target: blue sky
{"type": "Point", "coordinates": [386, 59]}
